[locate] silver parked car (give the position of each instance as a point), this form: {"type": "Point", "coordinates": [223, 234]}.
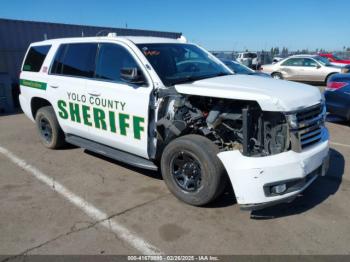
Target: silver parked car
{"type": "Point", "coordinates": [304, 68]}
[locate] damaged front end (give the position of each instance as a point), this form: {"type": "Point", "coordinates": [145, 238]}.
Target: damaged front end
{"type": "Point", "coordinates": [230, 124]}
{"type": "Point", "coordinates": [270, 157]}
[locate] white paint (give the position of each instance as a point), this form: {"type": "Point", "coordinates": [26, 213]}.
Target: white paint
{"type": "Point", "coordinates": [339, 144]}
{"type": "Point", "coordinates": [122, 232]}
{"type": "Point", "coordinates": [248, 175]}
{"type": "Point", "coordinates": [271, 94]}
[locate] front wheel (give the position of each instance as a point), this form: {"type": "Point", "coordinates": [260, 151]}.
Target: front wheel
{"type": "Point", "coordinates": [277, 76]}
{"type": "Point", "coordinates": [192, 171]}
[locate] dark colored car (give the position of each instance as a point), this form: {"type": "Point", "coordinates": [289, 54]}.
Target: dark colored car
{"type": "Point", "coordinates": [240, 69]}
{"type": "Point", "coordinates": [338, 95]}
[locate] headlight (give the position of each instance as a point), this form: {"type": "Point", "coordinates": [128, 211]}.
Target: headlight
{"type": "Point", "coordinates": [292, 120]}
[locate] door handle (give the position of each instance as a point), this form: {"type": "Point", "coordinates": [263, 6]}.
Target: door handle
{"type": "Point", "coordinates": [54, 86]}
{"type": "Point", "coordinates": [94, 94]}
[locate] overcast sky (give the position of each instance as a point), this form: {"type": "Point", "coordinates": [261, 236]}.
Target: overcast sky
{"type": "Point", "coordinates": [217, 25]}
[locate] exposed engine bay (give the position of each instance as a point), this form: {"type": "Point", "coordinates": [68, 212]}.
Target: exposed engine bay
{"type": "Point", "coordinates": [230, 124]}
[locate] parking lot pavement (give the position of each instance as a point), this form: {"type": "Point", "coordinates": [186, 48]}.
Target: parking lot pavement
{"type": "Point", "coordinates": [34, 219]}
{"type": "Point", "coordinates": [37, 219]}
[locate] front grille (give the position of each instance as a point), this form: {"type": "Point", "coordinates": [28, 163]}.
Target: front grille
{"type": "Point", "coordinates": [308, 131]}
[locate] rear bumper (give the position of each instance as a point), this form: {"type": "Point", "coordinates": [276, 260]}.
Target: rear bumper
{"type": "Point", "coordinates": [253, 177]}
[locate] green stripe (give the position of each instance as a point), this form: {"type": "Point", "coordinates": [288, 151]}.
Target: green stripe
{"type": "Point", "coordinates": [33, 84]}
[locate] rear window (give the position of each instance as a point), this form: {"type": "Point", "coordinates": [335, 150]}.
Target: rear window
{"type": "Point", "coordinates": [75, 60]}
{"type": "Point", "coordinates": [35, 58]}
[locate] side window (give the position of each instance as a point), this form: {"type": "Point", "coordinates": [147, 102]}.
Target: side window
{"type": "Point", "coordinates": [58, 60]}
{"type": "Point", "coordinates": [35, 58]}
{"type": "Point", "coordinates": [111, 59]}
{"type": "Point", "coordinates": [309, 62]}
{"type": "Point", "coordinates": [75, 60]}
{"type": "Point", "coordinates": [293, 62]}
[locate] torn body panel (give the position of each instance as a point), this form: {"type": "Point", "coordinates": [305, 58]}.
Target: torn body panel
{"type": "Point", "coordinates": [256, 146]}
{"type": "Point", "coordinates": [250, 176]}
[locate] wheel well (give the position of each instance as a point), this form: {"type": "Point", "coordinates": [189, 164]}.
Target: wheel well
{"type": "Point", "coordinates": [328, 76]}
{"type": "Point", "coordinates": [275, 72]}
{"type": "Point", "coordinates": [38, 103]}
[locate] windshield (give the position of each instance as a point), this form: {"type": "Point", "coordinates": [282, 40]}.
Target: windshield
{"type": "Point", "coordinates": [238, 68]}
{"type": "Point", "coordinates": [322, 60]}
{"type": "Point", "coordinates": [181, 63]}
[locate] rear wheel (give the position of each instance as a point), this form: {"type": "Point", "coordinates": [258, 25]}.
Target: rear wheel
{"type": "Point", "coordinates": [50, 132]}
{"type": "Point", "coordinates": [192, 171]}
{"type": "Point", "coordinates": [277, 75]}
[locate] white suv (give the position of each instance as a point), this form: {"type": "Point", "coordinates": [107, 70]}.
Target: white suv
{"type": "Point", "coordinates": [153, 102]}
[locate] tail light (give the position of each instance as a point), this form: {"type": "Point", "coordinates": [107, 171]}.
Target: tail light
{"type": "Point", "coordinates": [332, 86]}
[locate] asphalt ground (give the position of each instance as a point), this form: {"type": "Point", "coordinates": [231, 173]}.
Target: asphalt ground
{"type": "Point", "coordinates": [74, 202]}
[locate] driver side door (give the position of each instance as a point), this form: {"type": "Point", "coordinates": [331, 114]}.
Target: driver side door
{"type": "Point", "coordinates": [119, 110]}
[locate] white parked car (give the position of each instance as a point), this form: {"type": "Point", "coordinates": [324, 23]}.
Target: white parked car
{"type": "Point", "coordinates": [303, 68]}
{"type": "Point", "coordinates": [276, 59]}
{"type": "Point", "coordinates": [249, 59]}
{"type": "Point", "coordinates": [156, 102]}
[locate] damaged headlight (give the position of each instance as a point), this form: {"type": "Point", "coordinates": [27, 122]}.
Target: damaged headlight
{"type": "Point", "coordinates": [292, 120]}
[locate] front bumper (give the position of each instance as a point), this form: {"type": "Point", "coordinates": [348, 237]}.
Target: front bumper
{"type": "Point", "coordinates": [251, 176]}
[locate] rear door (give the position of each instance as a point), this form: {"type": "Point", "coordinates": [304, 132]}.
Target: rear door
{"type": "Point", "coordinates": [119, 110]}
{"type": "Point", "coordinates": [72, 65]}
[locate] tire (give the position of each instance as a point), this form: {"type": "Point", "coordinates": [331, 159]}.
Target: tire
{"type": "Point", "coordinates": [50, 132]}
{"type": "Point", "coordinates": [277, 75]}
{"type": "Point", "coordinates": [193, 158]}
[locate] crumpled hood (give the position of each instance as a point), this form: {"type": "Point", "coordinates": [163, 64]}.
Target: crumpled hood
{"type": "Point", "coordinates": [271, 94]}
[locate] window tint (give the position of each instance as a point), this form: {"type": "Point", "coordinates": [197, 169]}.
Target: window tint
{"type": "Point", "coordinates": [309, 62]}
{"type": "Point", "coordinates": [181, 63]}
{"type": "Point", "coordinates": [75, 60]}
{"type": "Point", "coordinates": [35, 58]}
{"type": "Point", "coordinates": [294, 62]}
{"type": "Point", "coordinates": [111, 59]}
{"type": "Point", "coordinates": [58, 60]}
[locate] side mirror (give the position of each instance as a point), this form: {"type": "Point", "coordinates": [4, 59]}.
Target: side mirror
{"type": "Point", "coordinates": [318, 66]}
{"type": "Point", "coordinates": [132, 75]}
